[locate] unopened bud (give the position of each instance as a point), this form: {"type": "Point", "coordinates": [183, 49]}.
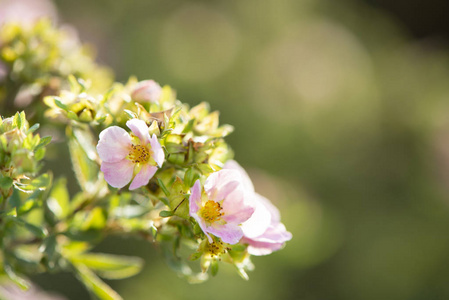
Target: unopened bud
{"type": "Point", "coordinates": [146, 91]}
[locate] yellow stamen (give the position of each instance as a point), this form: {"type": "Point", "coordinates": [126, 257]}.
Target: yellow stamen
{"type": "Point", "coordinates": [211, 211]}
{"type": "Point", "coordinates": [139, 154]}
{"type": "Point", "coordinates": [217, 248]}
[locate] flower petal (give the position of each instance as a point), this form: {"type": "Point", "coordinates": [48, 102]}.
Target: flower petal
{"type": "Point", "coordinates": [272, 240]}
{"type": "Point", "coordinates": [246, 181]}
{"type": "Point", "coordinates": [261, 248]}
{"type": "Point", "coordinates": [274, 212]}
{"type": "Point", "coordinates": [195, 198]}
{"type": "Point", "coordinates": [229, 233]}
{"type": "Point", "coordinates": [276, 233]}
{"type": "Point", "coordinates": [118, 174]}
{"type": "Point", "coordinates": [236, 208]}
{"type": "Point", "coordinates": [259, 221]}
{"type": "Point", "coordinates": [220, 184]}
{"type": "Point", "coordinates": [140, 129]}
{"type": "Point", "coordinates": [114, 144]}
{"type": "Point", "coordinates": [143, 177]}
{"type": "Point", "coordinates": [158, 153]}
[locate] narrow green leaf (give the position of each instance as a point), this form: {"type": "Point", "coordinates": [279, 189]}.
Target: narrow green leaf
{"type": "Point", "coordinates": [166, 213]}
{"type": "Point", "coordinates": [190, 177]}
{"type": "Point", "coordinates": [33, 128]}
{"type": "Point", "coordinates": [72, 116]}
{"type": "Point", "coordinates": [189, 126]}
{"type": "Point", "coordinates": [110, 266]}
{"type": "Point", "coordinates": [164, 189]}
{"type": "Point", "coordinates": [17, 121]}
{"type": "Point", "coordinates": [23, 120]}
{"type": "Point", "coordinates": [214, 267]}
{"type": "Point", "coordinates": [37, 231]}
{"type": "Point", "coordinates": [59, 202]}
{"type": "Point", "coordinates": [86, 141]}
{"type": "Point", "coordinates": [86, 170]}
{"type": "Point", "coordinates": [50, 250]}
{"type": "Point", "coordinates": [130, 114]}
{"type": "Point", "coordinates": [95, 284]}
{"type": "Point", "coordinates": [205, 169]}
{"type": "Point", "coordinates": [59, 104]}
{"type": "Point", "coordinates": [20, 281]}
{"type": "Point", "coordinates": [130, 211]}
{"type": "Point", "coordinates": [43, 142]}
{"type": "Point", "coordinates": [195, 256]}
{"type": "Point", "coordinates": [39, 154]}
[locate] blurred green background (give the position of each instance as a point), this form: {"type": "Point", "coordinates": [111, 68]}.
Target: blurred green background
{"type": "Point", "coordinates": [341, 118]}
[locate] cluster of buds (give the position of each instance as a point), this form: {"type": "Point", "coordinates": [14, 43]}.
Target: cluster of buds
{"type": "Point", "coordinates": [37, 60]}
{"type": "Point", "coordinates": [20, 152]}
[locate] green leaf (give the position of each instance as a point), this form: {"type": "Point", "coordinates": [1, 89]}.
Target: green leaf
{"type": "Point", "coordinates": [5, 182]}
{"type": "Point", "coordinates": [189, 126]}
{"type": "Point", "coordinates": [20, 281]}
{"type": "Point", "coordinates": [174, 148]}
{"type": "Point", "coordinates": [59, 104]}
{"type": "Point", "coordinates": [59, 201]}
{"type": "Point", "coordinates": [110, 266]}
{"type": "Point", "coordinates": [86, 141]}
{"type": "Point", "coordinates": [131, 115]}
{"type": "Point", "coordinates": [205, 169]}
{"type": "Point", "coordinates": [214, 267]}
{"type": "Point", "coordinates": [166, 213]}
{"type": "Point", "coordinates": [130, 211]}
{"type": "Point", "coordinates": [40, 183]}
{"type": "Point", "coordinates": [35, 230]}
{"type": "Point", "coordinates": [195, 256]}
{"type": "Point", "coordinates": [72, 116]}
{"type": "Point", "coordinates": [90, 236]}
{"type": "Point", "coordinates": [82, 154]}
{"type": "Point", "coordinates": [43, 142]}
{"type": "Point", "coordinates": [50, 250]}
{"type": "Point", "coordinates": [242, 273]}
{"type": "Point", "coordinates": [164, 189]}
{"type": "Point", "coordinates": [33, 128]}
{"type": "Point", "coordinates": [190, 177]}
{"type": "Point", "coordinates": [20, 120]}
{"type": "Point", "coordinates": [95, 219]}
{"type": "Point", "coordinates": [95, 284]}
{"type": "Point", "coordinates": [39, 154]}
{"type": "Point", "coordinates": [28, 205]}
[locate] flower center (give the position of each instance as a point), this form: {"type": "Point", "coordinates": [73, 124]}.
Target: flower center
{"type": "Point", "coordinates": [139, 154]}
{"type": "Point", "coordinates": [216, 248]}
{"type": "Point", "coordinates": [211, 211]}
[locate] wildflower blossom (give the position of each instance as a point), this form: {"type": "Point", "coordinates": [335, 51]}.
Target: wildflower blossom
{"type": "Point", "coordinates": [263, 232]}
{"type": "Point", "coordinates": [125, 156]}
{"type": "Point", "coordinates": [222, 207]}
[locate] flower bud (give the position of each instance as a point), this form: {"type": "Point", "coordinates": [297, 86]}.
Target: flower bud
{"type": "Point", "coordinates": [146, 91]}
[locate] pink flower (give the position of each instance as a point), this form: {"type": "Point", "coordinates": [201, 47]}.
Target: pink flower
{"type": "Point", "coordinates": [146, 91]}
{"type": "Point", "coordinates": [124, 155]}
{"type": "Point", "coordinates": [263, 232]}
{"type": "Point", "coordinates": [222, 207]}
